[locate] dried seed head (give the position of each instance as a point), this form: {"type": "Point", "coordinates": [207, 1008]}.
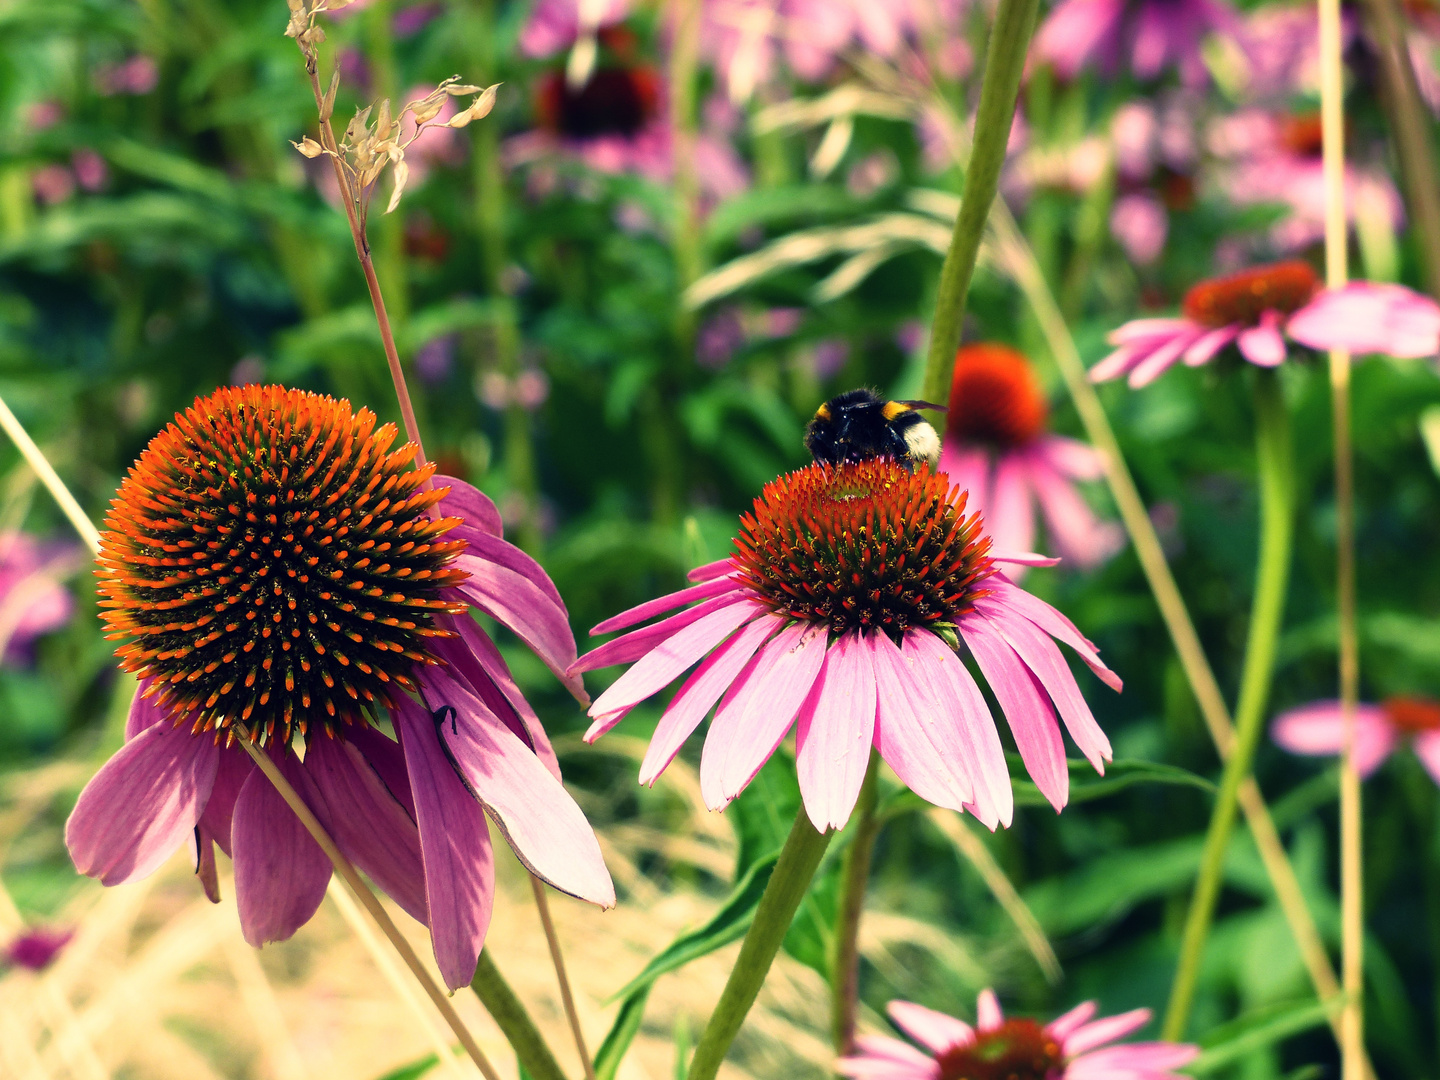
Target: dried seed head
{"type": "Point", "coordinates": [269, 562]}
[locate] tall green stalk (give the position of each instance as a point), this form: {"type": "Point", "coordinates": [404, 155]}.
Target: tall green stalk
{"type": "Point", "coordinates": [1004, 64]}
{"type": "Point", "coordinates": [799, 859]}
{"type": "Point", "coordinates": [509, 1014]}
{"type": "Point", "coordinates": [1275, 461]}
{"type": "Point", "coordinates": [854, 877]}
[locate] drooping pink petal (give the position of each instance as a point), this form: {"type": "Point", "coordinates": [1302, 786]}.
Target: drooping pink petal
{"type": "Point", "coordinates": [280, 871]}
{"type": "Point", "coordinates": [537, 816]}
{"type": "Point", "coordinates": [903, 729]}
{"type": "Point", "coordinates": [746, 730]}
{"type": "Point", "coordinates": [1133, 1061]}
{"type": "Point", "coordinates": [233, 769]}
{"type": "Point", "coordinates": [1026, 707]}
{"type": "Point", "coordinates": [1010, 516]}
{"type": "Point", "coordinates": [366, 822]}
{"type": "Point", "coordinates": [1075, 30]}
{"type": "Point", "coordinates": [388, 760]}
{"type": "Point", "coordinates": [1366, 318]}
{"type": "Point", "coordinates": [694, 699]}
{"type": "Point", "coordinates": [1075, 531]}
{"type": "Point", "coordinates": [969, 469]}
{"type": "Point", "coordinates": [1319, 729]}
{"type": "Point", "coordinates": [1099, 1032]}
{"type": "Point", "coordinates": [836, 728]}
{"type": "Point", "coordinates": [142, 804]}
{"type": "Point", "coordinates": [710, 571]}
{"type": "Point", "coordinates": [1053, 623]}
{"type": "Point", "coordinates": [672, 657]}
{"type": "Point", "coordinates": [929, 1028]}
{"type": "Point", "coordinates": [455, 847]}
{"type": "Point", "coordinates": [972, 729]}
{"type": "Point", "coordinates": [630, 647]}
{"type": "Point", "coordinates": [988, 1016]}
{"type": "Point", "coordinates": [641, 612]}
{"type": "Point", "coordinates": [1071, 457]}
{"type": "Point", "coordinates": [1164, 357]}
{"type": "Point", "coordinates": [144, 712]}
{"type": "Point", "coordinates": [1205, 348]}
{"type": "Point", "coordinates": [879, 1057]}
{"type": "Point", "coordinates": [469, 502]}
{"type": "Point", "coordinates": [1065, 1023]}
{"type": "Point", "coordinates": [1120, 362]}
{"type": "Point", "coordinates": [1427, 749]}
{"type": "Point", "coordinates": [1024, 558]}
{"type": "Point", "coordinates": [1263, 344]}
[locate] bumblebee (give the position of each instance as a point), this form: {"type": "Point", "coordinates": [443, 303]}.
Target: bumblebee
{"type": "Point", "coordinates": [860, 424]}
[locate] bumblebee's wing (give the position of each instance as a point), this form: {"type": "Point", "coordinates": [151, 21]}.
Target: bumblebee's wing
{"type": "Point", "coordinates": [923, 405]}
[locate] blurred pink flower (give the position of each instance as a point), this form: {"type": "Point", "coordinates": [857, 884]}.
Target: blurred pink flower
{"type": "Point", "coordinates": [1255, 309]}
{"type": "Point", "coordinates": [555, 24]}
{"type": "Point", "coordinates": [1140, 223]}
{"type": "Point", "coordinates": [1072, 1047]}
{"type": "Point", "coordinates": [90, 169]}
{"type": "Point", "coordinates": [1148, 37]}
{"type": "Point", "coordinates": [1319, 729]}
{"type": "Point", "coordinates": [52, 184]}
{"type": "Point", "coordinates": [32, 600]}
{"type": "Point", "coordinates": [998, 449]}
{"type": "Point", "coordinates": [44, 114]}
{"type": "Point", "coordinates": [137, 75]}
{"type": "Point", "coordinates": [1282, 50]}
{"type": "Point", "coordinates": [36, 948]}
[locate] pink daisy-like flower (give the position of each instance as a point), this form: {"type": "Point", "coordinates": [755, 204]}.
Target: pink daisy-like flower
{"type": "Point", "coordinates": [1319, 729]}
{"type": "Point", "coordinates": [1256, 309]}
{"type": "Point", "coordinates": [1071, 1047]}
{"type": "Point", "coordinates": [32, 600]}
{"type": "Point", "coordinates": [841, 614]}
{"type": "Point", "coordinates": [1147, 36]}
{"type": "Point", "coordinates": [997, 449]}
{"type": "Point", "coordinates": [278, 573]}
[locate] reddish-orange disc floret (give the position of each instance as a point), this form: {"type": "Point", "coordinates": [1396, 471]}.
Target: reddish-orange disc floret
{"type": "Point", "coordinates": [1242, 298]}
{"type": "Point", "coordinates": [864, 546]}
{"type": "Point", "coordinates": [1412, 714]}
{"type": "Point", "coordinates": [1016, 1050]}
{"type": "Point", "coordinates": [270, 563]}
{"type": "Point", "coordinates": [994, 397]}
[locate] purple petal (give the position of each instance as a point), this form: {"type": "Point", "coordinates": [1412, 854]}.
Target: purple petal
{"type": "Point", "coordinates": [366, 822]}
{"type": "Point", "coordinates": [472, 504]}
{"type": "Point", "coordinates": [493, 550]}
{"type": "Point", "coordinates": [1026, 708]}
{"type": "Point", "coordinates": [694, 699]}
{"type": "Point", "coordinates": [641, 612]}
{"type": "Point", "coordinates": [969, 469]}
{"type": "Point", "coordinates": [1010, 516]}
{"type": "Point", "coordinates": [537, 816]}
{"type": "Point", "coordinates": [632, 646]}
{"type": "Point", "coordinates": [1074, 530]}
{"type": "Point", "coordinates": [903, 729]}
{"type": "Point", "coordinates": [1319, 728]}
{"type": "Point", "coordinates": [1071, 457]}
{"type": "Point", "coordinates": [1053, 623]}
{"type": "Point", "coordinates": [144, 712]}
{"type": "Point", "coordinates": [387, 759]}
{"type": "Point", "coordinates": [1024, 558]}
{"type": "Point", "coordinates": [933, 1030]}
{"type": "Point", "coordinates": [454, 845]}
{"type": "Point", "coordinates": [203, 851]}
{"type": "Point", "coordinates": [233, 770]}
{"type": "Point", "coordinates": [142, 804]}
{"type": "Point", "coordinates": [280, 871]}
{"type": "Point", "coordinates": [836, 728]}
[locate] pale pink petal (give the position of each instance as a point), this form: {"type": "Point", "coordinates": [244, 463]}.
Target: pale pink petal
{"type": "Point", "coordinates": [670, 659]}
{"type": "Point", "coordinates": [1319, 729]}
{"type": "Point", "coordinates": [1140, 1061]}
{"type": "Point", "coordinates": [694, 699]}
{"type": "Point", "coordinates": [1119, 362]}
{"type": "Point", "coordinates": [630, 647]}
{"type": "Point", "coordinates": [455, 847]}
{"type": "Point", "coordinates": [366, 822]}
{"type": "Point", "coordinates": [1364, 318]}
{"type": "Point", "coordinates": [903, 729]}
{"type": "Point", "coordinates": [836, 728]}
{"type": "Point", "coordinates": [1075, 30]}
{"type": "Point", "coordinates": [1053, 623]}
{"type": "Point", "coordinates": [1026, 707]}
{"type": "Point", "coordinates": [1205, 348]}
{"type": "Point", "coordinates": [1067, 1022]}
{"type": "Point", "coordinates": [1427, 749]}
{"type": "Point", "coordinates": [988, 1016]}
{"type": "Point", "coordinates": [469, 502]}
{"type": "Point", "coordinates": [1074, 529]}
{"type": "Point", "coordinates": [537, 816]}
{"type": "Point", "coordinates": [894, 1051]}
{"type": "Point", "coordinates": [280, 871]}
{"type": "Point", "coordinates": [968, 468]}
{"type": "Point", "coordinates": [1071, 457]}
{"type": "Point", "coordinates": [934, 1030]}
{"type": "Point", "coordinates": [879, 1057]}
{"type": "Point", "coordinates": [1163, 358]}
{"type": "Point", "coordinates": [1153, 331]}
{"type": "Point", "coordinates": [971, 728]}
{"type": "Point", "coordinates": [1099, 1032]}
{"type": "Point", "coordinates": [1010, 517]}
{"type": "Point", "coordinates": [1024, 558]}
{"type": "Point", "coordinates": [641, 612]}
{"type": "Point", "coordinates": [142, 804]}
{"type": "Point", "coordinates": [710, 571]}
{"type": "Point", "coordinates": [1263, 344]}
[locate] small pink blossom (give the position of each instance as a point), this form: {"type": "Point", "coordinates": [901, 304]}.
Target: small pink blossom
{"type": "Point", "coordinates": [137, 75]}
{"type": "Point", "coordinates": [35, 949]}
{"type": "Point", "coordinates": [1319, 729]}
{"type": "Point", "coordinates": [1149, 37]}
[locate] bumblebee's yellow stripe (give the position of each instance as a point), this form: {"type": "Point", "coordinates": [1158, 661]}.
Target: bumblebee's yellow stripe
{"type": "Point", "coordinates": [894, 408]}
{"type": "Point", "coordinates": [823, 412]}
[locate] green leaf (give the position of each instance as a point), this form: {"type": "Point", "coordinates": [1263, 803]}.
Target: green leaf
{"type": "Point", "coordinates": [622, 1033]}
{"type": "Point", "coordinates": [1256, 1030]}
{"type": "Point", "coordinates": [415, 1069]}
{"type": "Point", "coordinates": [811, 937]}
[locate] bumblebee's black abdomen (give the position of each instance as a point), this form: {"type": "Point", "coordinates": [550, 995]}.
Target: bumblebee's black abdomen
{"type": "Point", "coordinates": [859, 425]}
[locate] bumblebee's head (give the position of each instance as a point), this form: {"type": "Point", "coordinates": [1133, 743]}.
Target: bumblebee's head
{"type": "Point", "coordinates": [859, 425]}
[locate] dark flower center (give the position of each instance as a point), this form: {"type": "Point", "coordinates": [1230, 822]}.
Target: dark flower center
{"type": "Point", "coordinates": [613, 101]}
{"type": "Point", "coordinates": [1412, 714]}
{"type": "Point", "coordinates": [270, 562]}
{"type": "Point", "coordinates": [1242, 298]}
{"type": "Point", "coordinates": [1016, 1050]}
{"type": "Point", "coordinates": [1302, 134]}
{"type": "Point", "coordinates": [864, 546]}
{"type": "Point", "coordinates": [994, 397]}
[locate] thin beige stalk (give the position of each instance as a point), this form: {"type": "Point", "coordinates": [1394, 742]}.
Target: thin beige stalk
{"type": "Point", "coordinates": [1352, 916]}
{"type": "Point", "coordinates": [36, 460]}
{"type": "Point", "coordinates": [542, 905]}
{"type": "Point", "coordinates": [372, 905]}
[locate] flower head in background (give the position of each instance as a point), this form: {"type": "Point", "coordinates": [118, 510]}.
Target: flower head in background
{"type": "Point", "coordinates": [278, 572]}
{"type": "Point", "coordinates": [1319, 729]}
{"type": "Point", "coordinates": [1256, 309]}
{"type": "Point", "coordinates": [1071, 1047]}
{"type": "Point", "coordinates": [32, 600]}
{"type": "Point", "coordinates": [1156, 154]}
{"type": "Point", "coordinates": [840, 614]}
{"type": "Point", "coordinates": [1147, 37]}
{"type": "Point", "coordinates": [35, 949]}
{"type": "Point", "coordinates": [997, 448]}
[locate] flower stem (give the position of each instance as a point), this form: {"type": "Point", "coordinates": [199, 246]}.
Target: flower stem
{"type": "Point", "coordinates": [48, 476]}
{"type": "Point", "coordinates": [1275, 459]}
{"type": "Point", "coordinates": [799, 859]}
{"type": "Point", "coordinates": [509, 1014]}
{"type": "Point", "coordinates": [1352, 915]}
{"type": "Point", "coordinates": [362, 892]}
{"type": "Point", "coordinates": [1004, 64]}
{"type": "Point", "coordinates": [854, 876]}
{"type": "Point", "coordinates": [542, 905]}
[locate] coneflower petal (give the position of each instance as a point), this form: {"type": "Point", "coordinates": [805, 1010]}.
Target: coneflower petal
{"type": "Point", "coordinates": [969, 469]}
{"type": "Point", "coordinates": [1010, 514]}
{"type": "Point", "coordinates": [385, 756]}
{"type": "Point", "coordinates": [668, 602]}
{"type": "Point", "coordinates": [903, 731]}
{"type": "Point", "coordinates": [632, 646]}
{"type": "Point", "coordinates": [1068, 1022]}
{"type": "Point", "coordinates": [1053, 623]}
{"type": "Point", "coordinates": [218, 819]}
{"type": "Point", "coordinates": [1074, 529]}
{"type": "Point", "coordinates": [1097, 1033]}
{"type": "Point", "coordinates": [933, 1030]}
{"type": "Point", "coordinates": [835, 730]}
{"type": "Point", "coordinates": [718, 568]}
{"type": "Point", "coordinates": [280, 871]}
{"type": "Point", "coordinates": [472, 504]}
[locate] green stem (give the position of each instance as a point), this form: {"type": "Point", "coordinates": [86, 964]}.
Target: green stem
{"type": "Point", "coordinates": [799, 858]}
{"type": "Point", "coordinates": [1004, 64]}
{"type": "Point", "coordinates": [854, 876]}
{"type": "Point", "coordinates": [509, 1014]}
{"type": "Point", "coordinates": [1274, 457]}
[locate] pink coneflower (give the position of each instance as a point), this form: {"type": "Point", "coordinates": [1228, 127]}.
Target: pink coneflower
{"type": "Point", "coordinates": [841, 613]}
{"type": "Point", "coordinates": [1070, 1047]}
{"type": "Point", "coordinates": [1155, 158]}
{"type": "Point", "coordinates": [278, 573]}
{"type": "Point", "coordinates": [997, 449]}
{"type": "Point", "coordinates": [1147, 36]}
{"type": "Point", "coordinates": [32, 600]}
{"type": "Point", "coordinates": [35, 949]}
{"type": "Point", "coordinates": [1319, 729]}
{"type": "Point", "coordinates": [1256, 309]}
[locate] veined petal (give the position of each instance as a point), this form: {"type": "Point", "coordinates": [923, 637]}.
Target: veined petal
{"type": "Point", "coordinates": [469, 502]}
{"type": "Point", "coordinates": [903, 729]}
{"type": "Point", "coordinates": [233, 769]}
{"type": "Point", "coordinates": [836, 729]}
{"type": "Point", "coordinates": [630, 647]}
{"type": "Point", "coordinates": [385, 756]}
{"type": "Point", "coordinates": [638, 614]}
{"type": "Point", "coordinates": [934, 1030]}
{"type": "Point", "coordinates": [142, 804]}
{"type": "Point", "coordinates": [144, 712]}
{"type": "Point", "coordinates": [1053, 623]}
